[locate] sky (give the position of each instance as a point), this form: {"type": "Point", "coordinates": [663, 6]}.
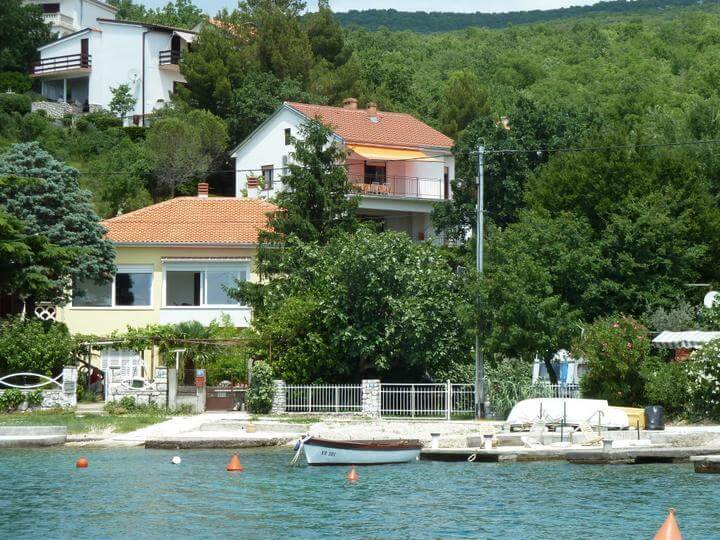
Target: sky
{"type": "Point", "coordinates": [212, 6]}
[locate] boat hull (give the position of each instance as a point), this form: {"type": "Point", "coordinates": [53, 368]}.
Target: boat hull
{"type": "Point", "coordinates": [337, 454]}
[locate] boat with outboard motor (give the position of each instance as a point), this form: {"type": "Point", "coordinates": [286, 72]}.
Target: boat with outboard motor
{"type": "Point", "coordinates": [368, 452]}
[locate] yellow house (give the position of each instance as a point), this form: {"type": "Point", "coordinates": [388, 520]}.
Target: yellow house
{"type": "Point", "coordinates": [175, 261]}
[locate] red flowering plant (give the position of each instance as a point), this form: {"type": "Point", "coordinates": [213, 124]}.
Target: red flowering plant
{"type": "Point", "coordinates": [615, 349]}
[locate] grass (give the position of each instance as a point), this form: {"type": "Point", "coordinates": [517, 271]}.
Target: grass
{"type": "Point", "coordinates": [82, 424]}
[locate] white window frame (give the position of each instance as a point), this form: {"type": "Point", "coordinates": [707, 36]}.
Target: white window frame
{"type": "Point", "coordinates": [127, 269]}
{"type": "Point", "coordinates": [203, 268]}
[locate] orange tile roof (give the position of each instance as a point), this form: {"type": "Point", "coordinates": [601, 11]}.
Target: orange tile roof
{"type": "Point", "coordinates": [192, 220]}
{"type": "Point", "coordinates": [392, 129]}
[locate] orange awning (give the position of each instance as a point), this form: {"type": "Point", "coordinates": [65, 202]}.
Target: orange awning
{"type": "Point", "coordinates": [390, 154]}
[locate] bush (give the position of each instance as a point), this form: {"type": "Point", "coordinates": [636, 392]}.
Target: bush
{"type": "Point", "coordinates": [103, 120]}
{"type": "Point", "coordinates": [508, 382]}
{"type": "Point", "coordinates": [667, 384]}
{"type": "Point", "coordinates": [704, 382]}
{"type": "Point", "coordinates": [34, 345]}
{"type": "Point", "coordinates": [227, 366]}
{"type": "Point", "coordinates": [11, 399]}
{"type": "Point", "coordinates": [136, 133]}
{"type": "Point", "coordinates": [18, 103]}
{"type": "Point", "coordinates": [128, 403]}
{"type": "Point", "coordinates": [615, 349]}
{"type": "Point", "coordinates": [260, 394]}
{"type": "Point", "coordinates": [34, 398]}
{"type": "Point", "coordinates": [15, 82]}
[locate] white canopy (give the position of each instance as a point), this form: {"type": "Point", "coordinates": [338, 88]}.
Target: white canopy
{"type": "Point", "coordinates": [573, 411]}
{"type": "Point", "coordinates": [684, 340]}
{"type": "Point", "coordinates": [185, 36]}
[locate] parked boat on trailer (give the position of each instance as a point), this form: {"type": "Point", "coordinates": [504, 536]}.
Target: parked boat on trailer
{"type": "Point", "coordinates": [379, 452]}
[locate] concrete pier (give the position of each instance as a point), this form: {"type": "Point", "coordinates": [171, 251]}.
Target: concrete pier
{"type": "Point", "coordinates": [706, 464]}
{"type": "Point", "coordinates": [32, 436]}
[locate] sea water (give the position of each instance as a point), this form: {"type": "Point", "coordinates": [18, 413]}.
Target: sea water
{"type": "Point", "coordinates": [137, 493]}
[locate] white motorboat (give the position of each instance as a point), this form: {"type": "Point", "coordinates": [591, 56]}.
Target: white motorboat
{"type": "Point", "coordinates": [328, 452]}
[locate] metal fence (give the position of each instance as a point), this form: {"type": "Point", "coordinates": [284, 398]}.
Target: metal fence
{"type": "Point", "coordinates": [566, 391]}
{"type": "Point", "coordinates": [323, 398]}
{"type": "Point", "coordinates": [429, 400]}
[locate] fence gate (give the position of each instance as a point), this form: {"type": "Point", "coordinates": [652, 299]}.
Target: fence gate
{"type": "Point", "coordinates": [428, 400]}
{"type": "Point", "coordinates": [225, 398]}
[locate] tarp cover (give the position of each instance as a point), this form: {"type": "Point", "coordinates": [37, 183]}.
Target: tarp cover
{"type": "Point", "coordinates": [551, 410]}
{"type": "Point", "coordinates": [693, 339]}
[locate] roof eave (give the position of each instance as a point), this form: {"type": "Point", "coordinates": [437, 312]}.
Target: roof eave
{"type": "Point", "coordinates": [227, 245]}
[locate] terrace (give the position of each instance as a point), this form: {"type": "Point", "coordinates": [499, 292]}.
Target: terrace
{"type": "Point", "coordinates": [66, 64]}
{"type": "Point", "coordinates": [397, 186]}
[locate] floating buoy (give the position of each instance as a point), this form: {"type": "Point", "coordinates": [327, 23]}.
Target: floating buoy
{"type": "Point", "coordinates": [81, 463]}
{"type": "Point", "coordinates": [669, 530]}
{"type": "Point", "coordinates": [176, 460]}
{"type": "Point", "coordinates": [352, 476]}
{"type": "Point", "coordinates": [235, 465]}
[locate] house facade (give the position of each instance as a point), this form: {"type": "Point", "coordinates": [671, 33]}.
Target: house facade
{"type": "Point", "coordinates": [68, 16]}
{"type": "Point", "coordinates": [399, 166]}
{"type": "Point", "coordinates": [81, 68]}
{"type": "Point", "coordinates": [175, 261]}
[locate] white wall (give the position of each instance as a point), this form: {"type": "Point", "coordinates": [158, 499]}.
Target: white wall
{"type": "Point", "coordinates": [266, 147]}
{"type": "Point", "coordinates": [91, 11]}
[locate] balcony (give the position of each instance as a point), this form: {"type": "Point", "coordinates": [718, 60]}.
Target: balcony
{"type": "Point", "coordinates": [397, 186]}
{"type": "Point", "coordinates": [169, 59]}
{"type": "Point", "coordinates": [60, 21]}
{"type": "Point", "coordinates": [70, 63]}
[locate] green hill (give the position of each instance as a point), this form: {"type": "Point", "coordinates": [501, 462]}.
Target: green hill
{"type": "Point", "coordinates": [421, 21]}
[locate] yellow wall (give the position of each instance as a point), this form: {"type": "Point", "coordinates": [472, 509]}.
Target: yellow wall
{"type": "Point", "coordinates": [103, 321]}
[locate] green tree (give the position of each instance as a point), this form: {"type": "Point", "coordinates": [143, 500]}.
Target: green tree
{"type": "Point", "coordinates": [34, 345]}
{"type": "Point", "coordinates": [184, 147]}
{"type": "Point", "coordinates": [327, 38]}
{"type": "Point", "coordinates": [46, 194]}
{"type": "Point", "coordinates": [464, 100]}
{"type": "Point", "coordinates": [180, 13]}
{"type": "Point", "coordinates": [22, 31]}
{"type": "Point", "coordinates": [30, 266]}
{"type": "Point", "coordinates": [122, 101]}
{"type": "Point", "coordinates": [364, 305]}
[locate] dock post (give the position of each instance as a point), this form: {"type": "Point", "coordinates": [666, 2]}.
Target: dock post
{"type": "Point", "coordinates": [448, 399]}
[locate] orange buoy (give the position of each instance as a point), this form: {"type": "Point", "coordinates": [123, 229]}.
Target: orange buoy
{"type": "Point", "coordinates": [235, 465]}
{"type": "Point", "coordinates": [81, 463]}
{"type": "Point", "coordinates": [669, 529]}
{"type": "Point", "coordinates": [352, 476]}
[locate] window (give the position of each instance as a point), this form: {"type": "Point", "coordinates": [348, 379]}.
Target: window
{"type": "Point", "coordinates": [202, 284]}
{"type": "Point", "coordinates": [267, 172]}
{"type": "Point", "coordinates": [288, 137]}
{"type": "Point", "coordinates": [375, 174]}
{"type": "Point", "coordinates": [51, 8]}
{"type": "Point", "coordinates": [131, 287]}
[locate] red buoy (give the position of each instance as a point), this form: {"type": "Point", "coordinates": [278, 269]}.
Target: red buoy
{"type": "Point", "coordinates": [669, 530]}
{"type": "Point", "coordinates": [352, 476]}
{"type": "Point", "coordinates": [235, 465]}
{"type": "Point", "coordinates": [81, 463]}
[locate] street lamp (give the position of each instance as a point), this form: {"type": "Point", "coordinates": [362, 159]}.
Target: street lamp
{"type": "Point", "coordinates": [479, 227]}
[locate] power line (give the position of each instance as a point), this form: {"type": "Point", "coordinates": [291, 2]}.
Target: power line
{"type": "Point", "coordinates": [699, 142]}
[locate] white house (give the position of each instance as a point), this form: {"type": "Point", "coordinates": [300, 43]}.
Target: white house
{"type": "Point", "coordinates": [81, 68]}
{"type": "Point", "coordinates": [68, 16]}
{"type": "Point", "coordinates": [399, 165]}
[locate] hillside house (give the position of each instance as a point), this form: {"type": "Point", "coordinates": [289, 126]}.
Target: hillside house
{"type": "Point", "coordinates": [398, 165]}
{"type": "Point", "coordinates": [68, 16]}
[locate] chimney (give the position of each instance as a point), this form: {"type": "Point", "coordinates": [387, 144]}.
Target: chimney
{"type": "Point", "coordinates": [203, 190]}
{"type": "Point", "coordinates": [350, 103]}
{"type": "Point", "coordinates": [372, 109]}
{"type": "Point", "coordinates": [252, 187]}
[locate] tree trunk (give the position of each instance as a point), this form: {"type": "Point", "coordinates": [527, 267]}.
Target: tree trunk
{"type": "Point", "coordinates": [550, 370]}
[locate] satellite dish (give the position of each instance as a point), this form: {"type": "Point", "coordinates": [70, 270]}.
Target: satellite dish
{"type": "Point", "coordinates": [133, 76]}
{"type": "Point", "coordinates": [711, 298]}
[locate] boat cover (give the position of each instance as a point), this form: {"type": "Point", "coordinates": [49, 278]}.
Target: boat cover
{"type": "Point", "coordinates": [551, 410]}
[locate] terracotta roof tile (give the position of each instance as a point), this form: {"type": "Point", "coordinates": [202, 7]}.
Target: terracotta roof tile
{"type": "Point", "coordinates": [392, 129]}
{"type": "Point", "coordinates": [192, 220]}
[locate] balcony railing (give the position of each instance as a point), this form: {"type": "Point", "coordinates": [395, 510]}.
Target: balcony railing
{"type": "Point", "coordinates": [397, 186]}
{"type": "Point", "coordinates": [169, 58]}
{"type": "Point", "coordinates": [61, 63]}
{"type": "Point", "coordinates": [59, 19]}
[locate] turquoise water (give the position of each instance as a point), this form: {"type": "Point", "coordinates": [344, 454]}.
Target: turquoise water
{"type": "Point", "coordinates": [133, 493]}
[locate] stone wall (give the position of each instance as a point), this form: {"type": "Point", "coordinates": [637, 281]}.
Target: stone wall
{"type": "Point", "coordinates": [279, 398]}
{"type": "Point", "coordinates": [371, 397]}
{"type": "Point", "coordinates": [54, 397]}
{"type": "Point", "coordinates": [59, 109]}
{"type": "Point", "coordinates": [152, 392]}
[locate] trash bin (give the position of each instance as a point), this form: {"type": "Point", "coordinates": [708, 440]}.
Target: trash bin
{"type": "Point", "coordinates": [654, 418]}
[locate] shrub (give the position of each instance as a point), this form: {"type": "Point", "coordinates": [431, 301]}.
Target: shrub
{"type": "Point", "coordinates": [667, 384]}
{"type": "Point", "coordinates": [11, 399]}
{"type": "Point", "coordinates": [136, 133]}
{"type": "Point", "coordinates": [704, 381]}
{"type": "Point", "coordinates": [228, 366]}
{"type": "Point", "coordinates": [15, 82]}
{"type": "Point", "coordinates": [34, 398]}
{"type": "Point", "coordinates": [508, 382]}
{"type": "Point", "coordinates": [15, 103]}
{"type": "Point", "coordinates": [128, 403]}
{"type": "Point", "coordinates": [34, 345]}
{"type": "Point", "coordinates": [103, 120]}
{"type": "Point", "coordinates": [261, 391]}
{"type": "Point", "coordinates": [615, 349]}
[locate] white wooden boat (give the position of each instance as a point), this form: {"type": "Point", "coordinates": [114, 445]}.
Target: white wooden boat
{"type": "Point", "coordinates": [328, 452]}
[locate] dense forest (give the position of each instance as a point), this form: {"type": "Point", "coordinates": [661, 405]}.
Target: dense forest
{"type": "Point", "coordinates": [424, 22]}
{"type": "Point", "coordinates": [624, 223]}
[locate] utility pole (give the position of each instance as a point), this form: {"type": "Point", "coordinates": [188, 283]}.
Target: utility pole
{"type": "Point", "coordinates": [479, 229]}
